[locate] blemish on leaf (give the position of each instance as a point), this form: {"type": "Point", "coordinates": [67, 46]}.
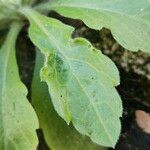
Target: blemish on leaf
{"type": "Point", "coordinates": [92, 78]}
{"type": "Point", "coordinates": [61, 68]}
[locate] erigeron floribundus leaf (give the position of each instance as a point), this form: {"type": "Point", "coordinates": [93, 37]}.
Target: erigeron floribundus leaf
{"type": "Point", "coordinates": [128, 20]}
{"type": "Point", "coordinates": [58, 135]}
{"type": "Point", "coordinates": [18, 120]}
{"type": "Point", "coordinates": [80, 78]}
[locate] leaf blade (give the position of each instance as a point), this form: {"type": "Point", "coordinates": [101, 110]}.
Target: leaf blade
{"type": "Point", "coordinates": [124, 18]}
{"type": "Point", "coordinates": [58, 136]}
{"type": "Point", "coordinates": [69, 82]}
{"type": "Point", "coordinates": [16, 131]}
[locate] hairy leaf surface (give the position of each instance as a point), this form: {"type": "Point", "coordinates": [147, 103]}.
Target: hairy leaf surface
{"type": "Point", "coordinates": [18, 120]}
{"type": "Point", "coordinates": [58, 135]}
{"type": "Point", "coordinates": [81, 80]}
{"type": "Point", "coordinates": [128, 20]}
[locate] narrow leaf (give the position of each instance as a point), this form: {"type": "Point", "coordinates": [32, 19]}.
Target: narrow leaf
{"type": "Point", "coordinates": [79, 79]}
{"type": "Point", "coordinates": [58, 135]}
{"type": "Point", "coordinates": [127, 19]}
{"type": "Point", "coordinates": [18, 121]}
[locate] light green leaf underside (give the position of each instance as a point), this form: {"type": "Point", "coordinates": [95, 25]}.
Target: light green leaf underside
{"type": "Point", "coordinates": [81, 80]}
{"type": "Point", "coordinates": [128, 20]}
{"type": "Point", "coordinates": [58, 135]}
{"type": "Point", "coordinates": [18, 120]}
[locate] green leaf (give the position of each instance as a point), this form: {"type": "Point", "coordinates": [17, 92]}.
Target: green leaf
{"type": "Point", "coordinates": [18, 120]}
{"type": "Point", "coordinates": [127, 19]}
{"type": "Point", "coordinates": [58, 135]}
{"type": "Point", "coordinates": [10, 2]}
{"type": "Point", "coordinates": [79, 79]}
